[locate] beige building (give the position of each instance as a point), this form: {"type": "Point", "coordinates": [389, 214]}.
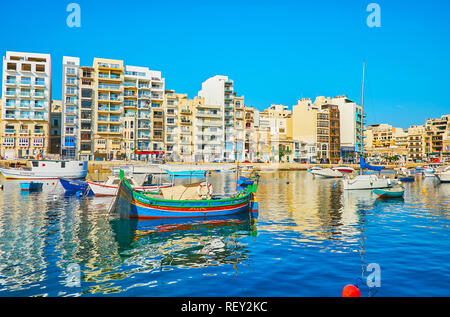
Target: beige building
{"type": "Point", "coordinates": [434, 136]}
{"type": "Point", "coordinates": [415, 143]}
{"type": "Point", "coordinates": [25, 111]}
{"type": "Point", "coordinates": [384, 141]}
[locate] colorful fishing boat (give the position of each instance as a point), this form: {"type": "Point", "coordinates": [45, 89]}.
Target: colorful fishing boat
{"type": "Point", "coordinates": [393, 192]}
{"type": "Point", "coordinates": [30, 186]}
{"type": "Point", "coordinates": [131, 203]}
{"type": "Point", "coordinates": [74, 186]}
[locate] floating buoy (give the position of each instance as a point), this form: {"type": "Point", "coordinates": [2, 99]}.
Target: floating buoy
{"type": "Point", "coordinates": [55, 197]}
{"type": "Point", "coordinates": [424, 191]}
{"type": "Point", "coordinates": [287, 182]}
{"type": "Point", "coordinates": [334, 185]}
{"type": "Point", "coordinates": [351, 291]}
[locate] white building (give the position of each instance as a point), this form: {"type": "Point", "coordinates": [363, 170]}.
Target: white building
{"type": "Point", "coordinates": [351, 125]}
{"type": "Point", "coordinates": [70, 107]}
{"type": "Point", "coordinates": [218, 91]}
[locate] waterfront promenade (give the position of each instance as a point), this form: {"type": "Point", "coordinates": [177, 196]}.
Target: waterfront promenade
{"type": "Point", "coordinates": [98, 170]}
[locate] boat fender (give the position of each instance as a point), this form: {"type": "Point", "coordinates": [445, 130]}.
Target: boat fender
{"type": "Point", "coordinates": [389, 181]}
{"type": "Point", "coordinates": [204, 184]}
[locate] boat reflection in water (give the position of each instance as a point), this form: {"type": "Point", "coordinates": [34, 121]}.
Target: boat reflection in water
{"type": "Point", "coordinates": [187, 242]}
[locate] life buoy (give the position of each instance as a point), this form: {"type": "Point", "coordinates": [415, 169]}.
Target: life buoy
{"type": "Point", "coordinates": [199, 190]}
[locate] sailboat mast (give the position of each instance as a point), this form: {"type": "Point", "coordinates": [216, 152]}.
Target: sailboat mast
{"type": "Point", "coordinates": [362, 109]}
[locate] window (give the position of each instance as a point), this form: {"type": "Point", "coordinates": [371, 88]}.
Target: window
{"type": "Point", "coordinates": [69, 141]}
{"type": "Point", "coordinates": [38, 142]}
{"type": "Point", "coordinates": [24, 142]}
{"type": "Point", "coordinates": [8, 141]}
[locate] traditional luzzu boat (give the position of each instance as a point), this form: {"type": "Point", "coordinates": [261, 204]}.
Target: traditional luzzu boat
{"type": "Point", "coordinates": [393, 192]}
{"type": "Point", "coordinates": [134, 204]}
{"type": "Point", "coordinates": [45, 169]}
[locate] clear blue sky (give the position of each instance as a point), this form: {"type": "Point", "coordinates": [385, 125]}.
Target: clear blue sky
{"type": "Point", "coordinates": [275, 51]}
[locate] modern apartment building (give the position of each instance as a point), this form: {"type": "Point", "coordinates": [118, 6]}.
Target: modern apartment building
{"type": "Point", "coordinates": [143, 114]}
{"type": "Point", "coordinates": [170, 107]}
{"type": "Point", "coordinates": [351, 127]}
{"type": "Point", "coordinates": [111, 111]}
{"type": "Point", "coordinates": [26, 99]}
{"type": "Point", "coordinates": [219, 91]}
{"type": "Point", "coordinates": [70, 107]}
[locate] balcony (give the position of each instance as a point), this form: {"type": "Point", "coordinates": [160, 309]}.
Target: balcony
{"type": "Point", "coordinates": [39, 95]}
{"type": "Point", "coordinates": [38, 132]}
{"type": "Point", "coordinates": [10, 93]}
{"type": "Point", "coordinates": [11, 82]}
{"type": "Point", "coordinates": [10, 104]}
{"type": "Point", "coordinates": [10, 131]}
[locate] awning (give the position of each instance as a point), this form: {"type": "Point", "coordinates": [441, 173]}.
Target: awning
{"type": "Point", "coordinates": [149, 152]}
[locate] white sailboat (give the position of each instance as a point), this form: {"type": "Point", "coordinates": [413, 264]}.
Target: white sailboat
{"type": "Point", "coordinates": [366, 181]}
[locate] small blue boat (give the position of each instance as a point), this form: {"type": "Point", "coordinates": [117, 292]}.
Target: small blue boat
{"type": "Point", "coordinates": [186, 173]}
{"type": "Point", "coordinates": [406, 178]}
{"type": "Point", "coordinates": [393, 192]}
{"type": "Point", "coordinates": [245, 181]}
{"type": "Point", "coordinates": [74, 186]}
{"type": "Point", "coordinates": [30, 186]}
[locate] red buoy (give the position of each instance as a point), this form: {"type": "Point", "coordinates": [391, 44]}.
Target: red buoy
{"type": "Point", "coordinates": [351, 291]}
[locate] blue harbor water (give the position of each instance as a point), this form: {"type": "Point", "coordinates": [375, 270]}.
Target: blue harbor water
{"type": "Point", "coordinates": [310, 239]}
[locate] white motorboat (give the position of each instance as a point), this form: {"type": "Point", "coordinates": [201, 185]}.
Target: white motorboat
{"type": "Point", "coordinates": [367, 182]}
{"type": "Point", "coordinates": [327, 173]}
{"type": "Point", "coordinates": [444, 176]}
{"type": "Point", "coordinates": [110, 186]}
{"type": "Point", "coordinates": [46, 169]}
{"type": "Point", "coordinates": [429, 171]}
{"type": "Point", "coordinates": [314, 169]}
{"type": "Point", "coordinates": [344, 169]}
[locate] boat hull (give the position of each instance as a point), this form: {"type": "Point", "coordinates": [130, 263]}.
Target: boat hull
{"type": "Point", "coordinates": [444, 177]}
{"type": "Point", "coordinates": [73, 186]}
{"type": "Point", "coordinates": [108, 190]}
{"type": "Point", "coordinates": [328, 173]}
{"type": "Point", "coordinates": [132, 204]}
{"type": "Point", "coordinates": [367, 182]}
{"type": "Point", "coordinates": [48, 170]}
{"type": "Point", "coordinates": [388, 193]}
{"type": "Point", "coordinates": [186, 173]}
{"type": "Point", "coordinates": [30, 186]}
